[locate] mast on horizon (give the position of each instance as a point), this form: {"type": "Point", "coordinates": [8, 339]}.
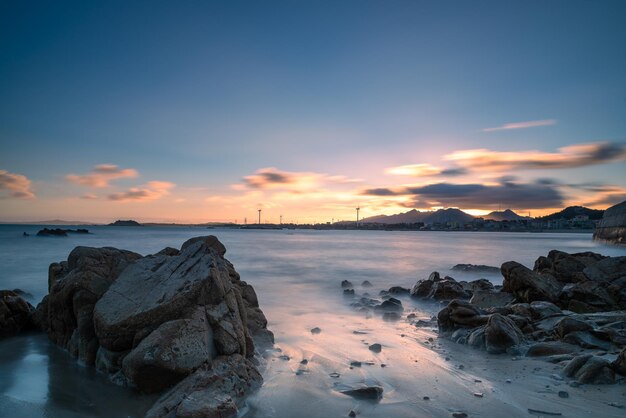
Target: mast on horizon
{"type": "Point", "coordinates": [357, 216]}
{"type": "Point", "coordinates": [259, 216]}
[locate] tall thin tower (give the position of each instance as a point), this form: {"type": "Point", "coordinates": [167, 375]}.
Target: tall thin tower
{"type": "Point", "coordinates": [357, 216]}
{"type": "Point", "coordinates": [281, 219]}
{"type": "Point", "coordinates": [259, 216]}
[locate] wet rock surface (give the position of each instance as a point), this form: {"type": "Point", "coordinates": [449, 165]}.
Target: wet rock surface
{"type": "Point", "coordinates": [179, 322]}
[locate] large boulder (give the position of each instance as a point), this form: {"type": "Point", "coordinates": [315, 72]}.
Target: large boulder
{"type": "Point", "coordinates": [15, 313]}
{"type": "Point", "coordinates": [587, 368]}
{"type": "Point", "coordinates": [439, 289]}
{"type": "Point", "coordinates": [527, 285]}
{"type": "Point", "coordinates": [176, 312]}
{"type": "Point", "coordinates": [501, 334]}
{"type": "Point", "coordinates": [75, 286]}
{"type": "Point", "coordinates": [564, 267]}
{"type": "Point", "coordinates": [491, 299]}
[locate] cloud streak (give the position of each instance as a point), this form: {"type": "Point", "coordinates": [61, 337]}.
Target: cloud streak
{"type": "Point", "coordinates": [521, 125]}
{"type": "Point", "coordinates": [153, 190]}
{"type": "Point", "coordinates": [572, 156]}
{"type": "Point", "coordinates": [102, 175]}
{"type": "Point", "coordinates": [424, 170]}
{"type": "Point", "coordinates": [17, 185]}
{"type": "Point", "coordinates": [537, 195]}
{"type": "Point", "coordinates": [273, 178]}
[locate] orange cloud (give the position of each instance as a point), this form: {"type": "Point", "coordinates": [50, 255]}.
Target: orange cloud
{"type": "Point", "coordinates": [102, 175]}
{"type": "Point", "coordinates": [521, 125]}
{"type": "Point", "coordinates": [567, 157]}
{"type": "Point", "coordinates": [17, 185]}
{"type": "Point", "coordinates": [153, 190]}
{"type": "Point", "coordinates": [273, 178]}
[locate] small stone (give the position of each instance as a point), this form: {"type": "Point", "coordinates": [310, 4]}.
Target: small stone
{"type": "Point", "coordinates": [615, 405]}
{"type": "Point", "coordinates": [383, 365]}
{"type": "Point", "coordinates": [335, 375]}
{"type": "Point", "coordinates": [556, 377]}
{"type": "Point", "coordinates": [355, 363]}
{"type": "Point", "coordinates": [447, 358]}
{"type": "Point", "coordinates": [352, 414]}
{"type": "Point", "coordinates": [305, 361]}
{"type": "Point", "coordinates": [426, 398]}
{"type": "Point", "coordinates": [508, 380]}
{"type": "Point", "coordinates": [477, 381]}
{"type": "Point", "coordinates": [284, 357]}
{"type": "Point", "coordinates": [574, 384]}
{"type": "Point", "coordinates": [459, 415]}
{"type": "Point", "coordinates": [430, 339]}
{"type": "Point", "coordinates": [478, 394]}
{"type": "Point", "coordinates": [376, 348]}
{"type": "Point", "coordinates": [563, 394]}
{"type": "Point", "coordinates": [315, 330]}
{"type": "Point", "coordinates": [461, 367]}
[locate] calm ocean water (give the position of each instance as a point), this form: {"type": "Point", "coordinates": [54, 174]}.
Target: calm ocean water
{"type": "Point", "coordinates": [296, 274]}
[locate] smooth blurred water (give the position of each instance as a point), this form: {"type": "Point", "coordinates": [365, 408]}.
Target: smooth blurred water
{"type": "Point", "coordinates": [296, 274]}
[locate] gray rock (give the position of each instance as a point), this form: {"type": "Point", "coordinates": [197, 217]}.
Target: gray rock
{"type": "Point", "coordinates": [211, 391]}
{"type": "Point", "coordinates": [568, 325]}
{"type": "Point", "coordinates": [527, 285]}
{"type": "Point", "coordinates": [365, 392]}
{"type": "Point", "coordinates": [551, 348]}
{"type": "Point", "coordinates": [501, 334]}
{"type": "Point", "coordinates": [460, 314]}
{"type": "Point", "coordinates": [589, 369]}
{"type": "Point", "coordinates": [619, 365]}
{"type": "Point", "coordinates": [489, 299]}
{"type": "Point", "coordinates": [376, 348]}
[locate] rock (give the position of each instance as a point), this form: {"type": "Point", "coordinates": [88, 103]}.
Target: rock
{"type": "Point", "coordinates": [501, 334]}
{"type": "Point", "coordinates": [460, 314]}
{"type": "Point", "coordinates": [551, 348]}
{"type": "Point", "coordinates": [589, 369]}
{"type": "Point", "coordinates": [391, 316]}
{"type": "Point", "coordinates": [563, 394]}
{"type": "Point", "coordinates": [568, 325]}
{"type": "Point", "coordinates": [158, 289]}
{"type": "Point", "coordinates": [398, 290]}
{"type": "Point", "coordinates": [316, 330]}
{"type": "Point", "coordinates": [211, 391]}
{"type": "Point", "coordinates": [348, 292]}
{"type": "Point", "coordinates": [346, 284]}
{"type": "Point", "coordinates": [619, 365]}
{"type": "Point", "coordinates": [365, 392]}
{"type": "Point", "coordinates": [589, 296]}
{"type": "Point", "coordinates": [562, 266]}
{"type": "Point", "coordinates": [352, 414]}
{"type": "Point", "coordinates": [448, 289]}
{"type": "Point", "coordinates": [15, 314]}
{"type": "Point", "coordinates": [366, 283]}
{"type": "Point", "coordinates": [527, 285]}
{"type": "Point", "coordinates": [476, 268]}
{"type": "Point", "coordinates": [612, 227]}
{"type": "Point", "coordinates": [482, 285]}
{"type": "Point", "coordinates": [459, 415]}
{"type": "Point", "coordinates": [390, 305]}
{"type": "Point", "coordinates": [586, 340]}
{"type": "Point", "coordinates": [490, 299]}
{"type": "Point", "coordinates": [169, 353]}
{"type": "Point", "coordinates": [52, 232]}
{"type": "Point", "coordinates": [542, 310]}
{"type": "Point", "coordinates": [75, 287]}
{"type": "Point", "coordinates": [376, 348]}
{"type": "Point", "coordinates": [421, 289]}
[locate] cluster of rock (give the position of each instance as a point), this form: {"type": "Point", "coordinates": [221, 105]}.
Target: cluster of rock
{"type": "Point", "coordinates": [567, 305]}
{"type": "Point", "coordinates": [612, 227]}
{"type": "Point", "coordinates": [180, 322]}
{"type": "Point", "coordinates": [58, 232]}
{"type": "Point", "coordinates": [15, 313]}
{"type": "Point", "coordinates": [387, 306]}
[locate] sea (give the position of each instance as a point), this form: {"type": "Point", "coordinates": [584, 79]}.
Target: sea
{"type": "Point", "coordinates": [297, 275]}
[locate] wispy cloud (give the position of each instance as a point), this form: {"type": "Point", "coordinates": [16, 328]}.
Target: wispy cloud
{"type": "Point", "coordinates": [102, 175]}
{"type": "Point", "coordinates": [273, 178]}
{"type": "Point", "coordinates": [89, 196]}
{"type": "Point", "coordinates": [521, 125]}
{"type": "Point", "coordinates": [566, 157]}
{"type": "Point", "coordinates": [17, 185]}
{"type": "Point", "coordinates": [424, 170]}
{"type": "Point", "coordinates": [153, 190]}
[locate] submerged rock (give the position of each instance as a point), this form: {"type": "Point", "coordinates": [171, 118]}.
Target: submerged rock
{"type": "Point", "coordinates": [365, 392]}
{"type": "Point", "coordinates": [501, 333]}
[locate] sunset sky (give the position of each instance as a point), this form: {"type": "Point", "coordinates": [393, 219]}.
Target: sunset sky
{"type": "Point", "coordinates": [197, 111]}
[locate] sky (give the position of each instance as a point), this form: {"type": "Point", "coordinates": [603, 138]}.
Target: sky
{"type": "Point", "coordinates": [201, 111]}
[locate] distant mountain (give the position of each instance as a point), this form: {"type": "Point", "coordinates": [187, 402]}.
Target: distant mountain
{"type": "Point", "coordinates": [505, 215]}
{"type": "Point", "coordinates": [125, 223]}
{"type": "Point", "coordinates": [409, 217]}
{"type": "Point", "coordinates": [414, 216]}
{"type": "Point", "coordinates": [448, 215]}
{"type": "Point", "coordinates": [573, 211]}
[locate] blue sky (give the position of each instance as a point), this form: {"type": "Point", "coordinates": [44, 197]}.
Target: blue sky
{"type": "Point", "coordinates": [203, 94]}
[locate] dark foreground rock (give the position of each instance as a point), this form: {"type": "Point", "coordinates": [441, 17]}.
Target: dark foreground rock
{"type": "Point", "coordinates": [180, 319]}
{"type": "Point", "coordinates": [15, 313]}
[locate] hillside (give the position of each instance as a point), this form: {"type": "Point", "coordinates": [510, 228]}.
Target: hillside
{"type": "Point", "coordinates": [573, 211]}
{"type": "Point", "coordinates": [414, 216]}
{"type": "Point", "coordinates": [448, 215]}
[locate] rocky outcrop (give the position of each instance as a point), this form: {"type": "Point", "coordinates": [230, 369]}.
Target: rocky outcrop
{"type": "Point", "coordinates": [15, 313]}
{"type": "Point", "coordinates": [527, 285]}
{"type": "Point", "coordinates": [439, 289]}
{"type": "Point", "coordinates": [612, 227]}
{"type": "Point", "coordinates": [180, 319]}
